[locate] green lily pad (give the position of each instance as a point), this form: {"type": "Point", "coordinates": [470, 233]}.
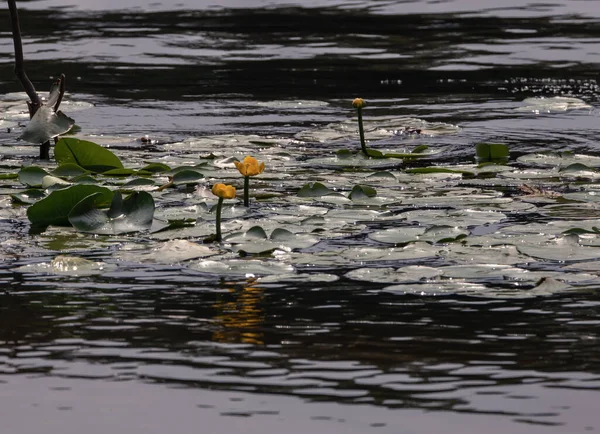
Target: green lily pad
{"type": "Point", "coordinates": [67, 266]}
{"type": "Point", "coordinates": [256, 241]}
{"type": "Point", "coordinates": [566, 248]}
{"type": "Point", "coordinates": [119, 173]}
{"type": "Point", "coordinates": [241, 267]}
{"type": "Point", "coordinates": [169, 252]}
{"type": "Point", "coordinates": [86, 154]}
{"type": "Point", "coordinates": [55, 208]}
{"type": "Point", "coordinates": [411, 273]}
{"type": "Point", "coordinates": [362, 192]}
{"type": "Point", "coordinates": [559, 159]}
{"type": "Point", "coordinates": [314, 189]}
{"type": "Point", "coordinates": [132, 214]}
{"type": "Point", "coordinates": [434, 234]}
{"type": "Point", "coordinates": [69, 170]}
{"type": "Point", "coordinates": [32, 176]}
{"type": "Point", "coordinates": [156, 168]}
{"type": "Point", "coordinates": [187, 176]}
{"type": "Point", "coordinates": [28, 196]}
{"type": "Point", "coordinates": [437, 289]}
{"type": "Point", "coordinates": [138, 182]}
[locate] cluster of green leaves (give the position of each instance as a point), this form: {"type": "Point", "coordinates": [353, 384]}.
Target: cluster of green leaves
{"type": "Point", "coordinates": [71, 194]}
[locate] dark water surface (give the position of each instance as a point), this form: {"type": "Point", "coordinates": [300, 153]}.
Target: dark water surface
{"type": "Point", "coordinates": [156, 350]}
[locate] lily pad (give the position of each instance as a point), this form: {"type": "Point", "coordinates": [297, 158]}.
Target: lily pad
{"type": "Point", "coordinates": [55, 208]}
{"type": "Point", "coordinates": [411, 273]}
{"type": "Point", "coordinates": [566, 248]}
{"type": "Point", "coordinates": [67, 266]}
{"type": "Point", "coordinates": [408, 234]}
{"type": "Point", "coordinates": [314, 189]}
{"type": "Point", "coordinates": [86, 154]}
{"type": "Point", "coordinates": [132, 214]}
{"type": "Point", "coordinates": [32, 176]}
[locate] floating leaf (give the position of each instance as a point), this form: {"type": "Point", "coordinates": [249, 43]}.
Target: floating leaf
{"type": "Point", "coordinates": [344, 153]}
{"type": "Point", "coordinates": [32, 176]}
{"type": "Point", "coordinates": [412, 273]}
{"type": "Point", "coordinates": [169, 252]}
{"type": "Point", "coordinates": [552, 104]}
{"type": "Point", "coordinates": [155, 168]}
{"type": "Point", "coordinates": [86, 154]}
{"type": "Point", "coordinates": [132, 214]}
{"type": "Point", "coordinates": [187, 176]}
{"type": "Point", "coordinates": [67, 266]}
{"type": "Point", "coordinates": [560, 159]}
{"type": "Point", "coordinates": [69, 170]}
{"type": "Point", "coordinates": [566, 248]}
{"type": "Point", "coordinates": [577, 167]}
{"type": "Point", "coordinates": [433, 234]}
{"type": "Point", "coordinates": [419, 149]}
{"type": "Point", "coordinates": [243, 267]}
{"type": "Point", "coordinates": [55, 208]}
{"type": "Point", "coordinates": [362, 192]}
{"type": "Point", "coordinates": [314, 189]}
{"type": "Point", "coordinates": [139, 182]}
{"type": "Point", "coordinates": [54, 182]}
{"type": "Point", "coordinates": [28, 197]}
{"type": "Point", "coordinates": [442, 288]}
{"type": "Point", "coordinates": [118, 173]}
{"type": "Point", "coordinates": [427, 170]}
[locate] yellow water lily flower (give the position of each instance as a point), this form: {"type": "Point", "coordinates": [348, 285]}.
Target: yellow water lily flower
{"type": "Point", "coordinates": [223, 191]}
{"type": "Point", "coordinates": [358, 103]}
{"type": "Point", "coordinates": [250, 166]}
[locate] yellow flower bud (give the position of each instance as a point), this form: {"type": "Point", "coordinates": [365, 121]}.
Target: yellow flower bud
{"type": "Point", "coordinates": [358, 103]}
{"type": "Point", "coordinates": [224, 191]}
{"type": "Point", "coordinates": [250, 166]}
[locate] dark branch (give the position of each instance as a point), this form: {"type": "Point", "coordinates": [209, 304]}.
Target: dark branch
{"type": "Point", "coordinates": [19, 66]}
{"type": "Point", "coordinates": [61, 91]}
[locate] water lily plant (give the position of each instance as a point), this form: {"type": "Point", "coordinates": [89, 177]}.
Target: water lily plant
{"type": "Point", "coordinates": [358, 104]}
{"type": "Point", "coordinates": [222, 191]}
{"type": "Point", "coordinates": [249, 167]}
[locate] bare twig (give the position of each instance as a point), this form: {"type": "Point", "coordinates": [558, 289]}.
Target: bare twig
{"type": "Point", "coordinates": [19, 64]}
{"type": "Point", "coordinates": [61, 91]}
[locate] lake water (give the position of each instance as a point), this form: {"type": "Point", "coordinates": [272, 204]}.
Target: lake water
{"type": "Point", "coordinates": [157, 348]}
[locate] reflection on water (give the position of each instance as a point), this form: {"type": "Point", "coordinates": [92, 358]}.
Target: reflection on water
{"type": "Point", "coordinates": [240, 319]}
{"type": "Point", "coordinates": [199, 68]}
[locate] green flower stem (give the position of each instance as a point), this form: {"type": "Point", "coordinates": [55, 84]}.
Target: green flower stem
{"type": "Point", "coordinates": [246, 189]}
{"type": "Point", "coordinates": [219, 209]}
{"type": "Point", "coordinates": [361, 131]}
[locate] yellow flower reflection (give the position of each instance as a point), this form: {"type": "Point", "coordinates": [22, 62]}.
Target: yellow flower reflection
{"type": "Point", "coordinates": [240, 319]}
{"type": "Point", "coordinates": [250, 166]}
{"type": "Point", "coordinates": [224, 191]}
